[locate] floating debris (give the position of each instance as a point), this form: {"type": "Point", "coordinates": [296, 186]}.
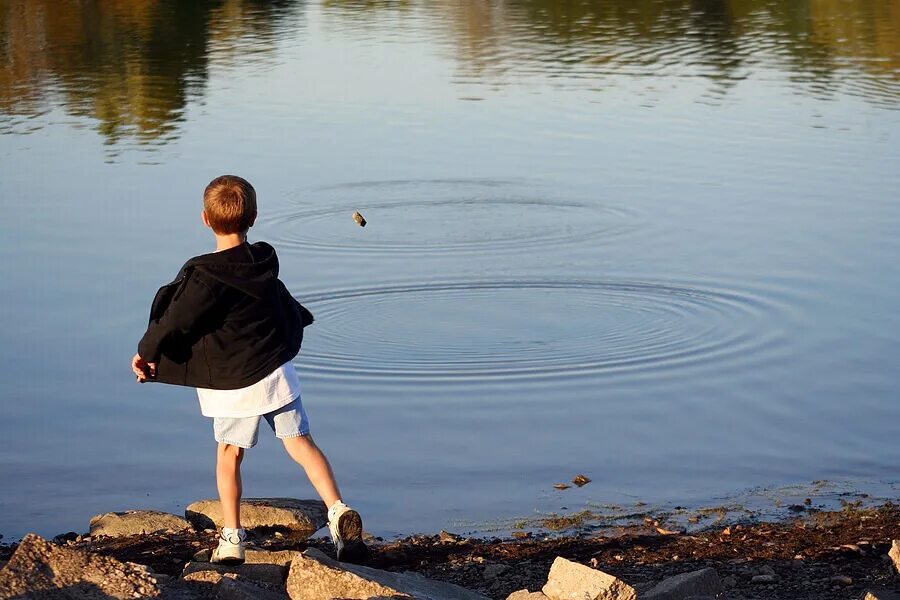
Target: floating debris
{"type": "Point", "coordinates": [360, 220]}
{"type": "Point", "coordinates": [580, 480]}
{"type": "Point", "coordinates": [561, 486]}
{"type": "Point", "coordinates": [664, 531]}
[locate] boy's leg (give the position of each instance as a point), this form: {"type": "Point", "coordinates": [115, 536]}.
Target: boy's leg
{"type": "Point", "coordinates": [344, 523]}
{"type": "Point", "coordinates": [228, 480]}
{"type": "Point", "coordinates": [306, 454]}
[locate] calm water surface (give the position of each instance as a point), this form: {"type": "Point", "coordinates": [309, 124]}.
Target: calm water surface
{"type": "Point", "coordinates": [653, 241]}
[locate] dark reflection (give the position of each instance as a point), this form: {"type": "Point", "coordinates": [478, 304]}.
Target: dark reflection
{"type": "Point", "coordinates": [131, 66]}
{"type": "Point", "coordinates": [824, 46]}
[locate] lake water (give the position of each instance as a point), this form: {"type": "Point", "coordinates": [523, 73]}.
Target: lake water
{"type": "Point", "coordinates": [650, 241]}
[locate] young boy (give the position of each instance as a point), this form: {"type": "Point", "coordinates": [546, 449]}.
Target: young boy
{"type": "Point", "coordinates": [228, 327]}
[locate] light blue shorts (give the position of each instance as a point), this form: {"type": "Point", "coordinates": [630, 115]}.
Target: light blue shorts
{"type": "Point", "coordinates": [289, 421]}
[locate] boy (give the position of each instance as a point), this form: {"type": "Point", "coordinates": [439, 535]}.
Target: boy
{"type": "Point", "coordinates": [228, 327]}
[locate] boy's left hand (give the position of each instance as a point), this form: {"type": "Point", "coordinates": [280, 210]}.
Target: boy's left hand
{"type": "Point", "coordinates": [142, 368]}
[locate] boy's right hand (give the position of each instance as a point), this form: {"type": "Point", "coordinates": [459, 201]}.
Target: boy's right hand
{"type": "Point", "coordinates": [142, 369]}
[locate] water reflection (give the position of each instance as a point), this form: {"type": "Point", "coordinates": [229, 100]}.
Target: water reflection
{"type": "Point", "coordinates": [825, 46]}
{"type": "Point", "coordinates": [132, 67]}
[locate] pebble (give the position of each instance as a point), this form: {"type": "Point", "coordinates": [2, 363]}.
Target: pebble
{"type": "Point", "coordinates": [763, 579]}
{"type": "Point", "coordinates": [842, 579]}
{"type": "Point", "coordinates": [767, 570]}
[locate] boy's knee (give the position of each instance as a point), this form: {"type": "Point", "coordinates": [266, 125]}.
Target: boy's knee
{"type": "Point", "coordinates": [230, 451]}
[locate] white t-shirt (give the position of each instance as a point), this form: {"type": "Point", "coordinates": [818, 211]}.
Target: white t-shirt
{"type": "Point", "coordinates": [273, 391]}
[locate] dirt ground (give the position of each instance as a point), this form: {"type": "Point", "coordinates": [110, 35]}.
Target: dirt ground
{"type": "Point", "coordinates": [816, 555]}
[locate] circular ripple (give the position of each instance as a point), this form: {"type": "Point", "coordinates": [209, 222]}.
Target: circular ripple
{"type": "Point", "coordinates": [440, 216]}
{"type": "Point", "coordinates": [521, 329]}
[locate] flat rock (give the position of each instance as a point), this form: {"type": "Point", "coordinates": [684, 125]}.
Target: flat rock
{"type": "Point", "coordinates": [136, 522]}
{"type": "Point", "coordinates": [704, 582]}
{"type": "Point", "coordinates": [573, 581]}
{"type": "Point", "coordinates": [300, 517]}
{"type": "Point", "coordinates": [39, 569]}
{"type": "Point", "coordinates": [231, 588]}
{"type": "Point", "coordinates": [281, 558]}
{"type": "Point", "coordinates": [880, 595]}
{"type": "Point", "coordinates": [526, 595]}
{"type": "Point", "coordinates": [314, 576]}
{"type": "Point", "coordinates": [894, 553]}
{"type": "Point", "coordinates": [262, 572]}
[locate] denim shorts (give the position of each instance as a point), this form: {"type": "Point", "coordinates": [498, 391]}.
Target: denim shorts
{"type": "Point", "coordinates": [289, 421]}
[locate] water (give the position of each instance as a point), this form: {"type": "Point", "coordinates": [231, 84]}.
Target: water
{"type": "Point", "coordinates": [652, 242]}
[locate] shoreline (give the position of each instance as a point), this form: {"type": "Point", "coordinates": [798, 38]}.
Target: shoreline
{"type": "Point", "coordinates": [821, 554]}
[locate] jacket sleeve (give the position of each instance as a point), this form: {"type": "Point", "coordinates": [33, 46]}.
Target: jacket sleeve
{"type": "Point", "coordinates": [184, 311]}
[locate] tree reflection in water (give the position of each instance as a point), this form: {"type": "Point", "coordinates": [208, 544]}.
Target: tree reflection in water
{"type": "Point", "coordinates": [134, 66]}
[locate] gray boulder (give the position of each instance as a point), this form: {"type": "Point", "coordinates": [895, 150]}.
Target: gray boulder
{"type": "Point", "coordinates": [314, 576]}
{"type": "Point", "coordinates": [41, 569]}
{"type": "Point", "coordinates": [573, 581]}
{"type": "Point", "coordinates": [704, 582]}
{"type": "Point", "coordinates": [136, 522]}
{"type": "Point", "coordinates": [300, 517]}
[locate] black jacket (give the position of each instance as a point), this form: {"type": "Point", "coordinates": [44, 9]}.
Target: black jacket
{"type": "Point", "coordinates": [226, 321]}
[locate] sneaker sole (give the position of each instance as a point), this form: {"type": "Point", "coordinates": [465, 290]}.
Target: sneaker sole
{"type": "Point", "coordinates": [350, 530]}
{"type": "Point", "coordinates": [229, 561]}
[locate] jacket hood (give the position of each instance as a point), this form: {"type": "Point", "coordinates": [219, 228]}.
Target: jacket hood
{"type": "Point", "coordinates": [250, 268]}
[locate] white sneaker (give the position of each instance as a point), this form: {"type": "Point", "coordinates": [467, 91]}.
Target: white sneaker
{"type": "Point", "coordinates": [345, 526]}
{"type": "Point", "coordinates": [230, 550]}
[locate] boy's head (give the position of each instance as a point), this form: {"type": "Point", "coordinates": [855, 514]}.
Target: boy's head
{"type": "Point", "coordinates": [229, 205]}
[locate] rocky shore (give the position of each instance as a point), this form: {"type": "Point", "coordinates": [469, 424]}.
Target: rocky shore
{"type": "Point", "coordinates": [823, 555]}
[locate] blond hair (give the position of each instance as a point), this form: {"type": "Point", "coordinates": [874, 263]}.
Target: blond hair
{"type": "Point", "coordinates": [230, 204]}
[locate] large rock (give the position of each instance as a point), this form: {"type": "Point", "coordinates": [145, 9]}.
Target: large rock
{"type": "Point", "coordinates": [300, 517]}
{"type": "Point", "coordinates": [136, 522]}
{"type": "Point", "coordinates": [894, 553]}
{"type": "Point", "coordinates": [261, 572]}
{"type": "Point", "coordinates": [704, 582]}
{"type": "Point", "coordinates": [40, 569]}
{"type": "Point", "coordinates": [230, 588]}
{"type": "Point", "coordinates": [573, 581]}
{"type": "Point", "coordinates": [314, 576]}
{"type": "Point", "coordinates": [263, 567]}
{"type": "Point", "coordinates": [282, 558]}
{"type": "Point", "coordinates": [526, 595]}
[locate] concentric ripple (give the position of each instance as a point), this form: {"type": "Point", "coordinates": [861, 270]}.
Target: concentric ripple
{"type": "Point", "coordinates": [527, 329]}
{"type": "Point", "coordinates": [445, 216]}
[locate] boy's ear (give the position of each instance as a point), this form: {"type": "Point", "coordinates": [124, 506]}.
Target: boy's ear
{"type": "Point", "coordinates": [253, 220]}
{"type": "Point", "coordinates": [205, 218]}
